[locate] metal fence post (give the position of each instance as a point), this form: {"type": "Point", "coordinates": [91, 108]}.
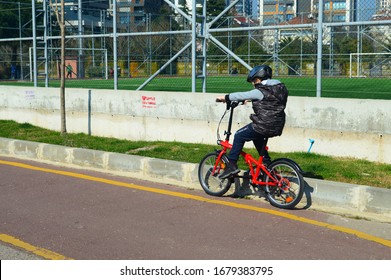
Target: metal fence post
{"type": "Point", "coordinates": [115, 45]}
{"type": "Point", "coordinates": [35, 67]}
{"type": "Point", "coordinates": [89, 112]}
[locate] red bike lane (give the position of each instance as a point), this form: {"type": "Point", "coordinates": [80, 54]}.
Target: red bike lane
{"type": "Point", "coordinates": [83, 214]}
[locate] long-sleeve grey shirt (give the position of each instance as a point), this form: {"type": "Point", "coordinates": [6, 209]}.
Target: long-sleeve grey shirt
{"type": "Point", "coordinates": [253, 94]}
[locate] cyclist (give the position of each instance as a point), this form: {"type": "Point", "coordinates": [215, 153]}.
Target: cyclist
{"type": "Point", "coordinates": [269, 98]}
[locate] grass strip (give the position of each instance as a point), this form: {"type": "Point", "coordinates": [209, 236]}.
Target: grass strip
{"type": "Point", "coordinates": [318, 166]}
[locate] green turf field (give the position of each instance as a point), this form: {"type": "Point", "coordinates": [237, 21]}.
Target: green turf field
{"type": "Point", "coordinates": [362, 88]}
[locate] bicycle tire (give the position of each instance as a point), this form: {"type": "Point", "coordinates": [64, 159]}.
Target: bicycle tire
{"type": "Point", "coordinates": [289, 194]}
{"type": "Point", "coordinates": [212, 184]}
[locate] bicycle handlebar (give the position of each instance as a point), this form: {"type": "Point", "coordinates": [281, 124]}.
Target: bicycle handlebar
{"type": "Point", "coordinates": [230, 104]}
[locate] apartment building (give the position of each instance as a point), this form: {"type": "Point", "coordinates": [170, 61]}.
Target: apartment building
{"type": "Point", "coordinates": [273, 12]}
{"type": "Point", "coordinates": [188, 3]}
{"type": "Point", "coordinates": [336, 11]}
{"type": "Point", "coordinates": [94, 15]}
{"type": "Point", "coordinates": [383, 9]}
{"type": "Point", "coordinates": [98, 14]}
{"type": "Point", "coordinates": [268, 12]}
{"type": "Point", "coordinates": [130, 11]}
{"type": "Point", "coordinates": [383, 5]}
{"type": "Point", "coordinates": [276, 11]}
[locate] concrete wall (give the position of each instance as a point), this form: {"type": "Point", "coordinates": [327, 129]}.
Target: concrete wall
{"type": "Point", "coordinates": [340, 127]}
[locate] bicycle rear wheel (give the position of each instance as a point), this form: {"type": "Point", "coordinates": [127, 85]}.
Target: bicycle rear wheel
{"type": "Point", "coordinates": [210, 182]}
{"type": "Point", "coordinates": [291, 184]}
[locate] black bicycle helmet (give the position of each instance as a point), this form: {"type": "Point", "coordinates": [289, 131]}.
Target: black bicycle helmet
{"type": "Point", "coordinates": [262, 72]}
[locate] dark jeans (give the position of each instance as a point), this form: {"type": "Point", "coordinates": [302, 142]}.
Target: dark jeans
{"type": "Point", "coordinates": [243, 135]}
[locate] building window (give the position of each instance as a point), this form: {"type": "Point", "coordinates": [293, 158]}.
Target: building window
{"type": "Point", "coordinates": [339, 18]}
{"type": "Point", "coordinates": [124, 20]}
{"type": "Point", "coordinates": [334, 5]}
{"type": "Point", "coordinates": [339, 5]}
{"type": "Point", "coordinates": [269, 8]}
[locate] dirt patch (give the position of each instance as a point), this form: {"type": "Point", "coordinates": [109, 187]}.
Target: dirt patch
{"type": "Point", "coordinates": [141, 149]}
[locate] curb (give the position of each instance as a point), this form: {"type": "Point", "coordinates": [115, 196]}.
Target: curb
{"type": "Point", "coordinates": [340, 198]}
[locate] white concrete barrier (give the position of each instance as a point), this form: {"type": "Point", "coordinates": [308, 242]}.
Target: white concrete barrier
{"type": "Point", "coordinates": [340, 127]}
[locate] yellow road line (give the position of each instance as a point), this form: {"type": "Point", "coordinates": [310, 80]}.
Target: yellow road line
{"type": "Point", "coordinates": [357, 233]}
{"type": "Point", "coordinates": [47, 254]}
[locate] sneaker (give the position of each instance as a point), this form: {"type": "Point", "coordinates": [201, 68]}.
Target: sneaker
{"type": "Point", "coordinates": [232, 169]}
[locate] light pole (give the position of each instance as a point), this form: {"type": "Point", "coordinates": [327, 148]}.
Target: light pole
{"type": "Point", "coordinates": [319, 52]}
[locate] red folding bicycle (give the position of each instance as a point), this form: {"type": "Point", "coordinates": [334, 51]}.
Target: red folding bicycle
{"type": "Point", "coordinates": [282, 179]}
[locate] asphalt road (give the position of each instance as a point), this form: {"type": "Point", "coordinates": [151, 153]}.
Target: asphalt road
{"type": "Point", "coordinates": [47, 211]}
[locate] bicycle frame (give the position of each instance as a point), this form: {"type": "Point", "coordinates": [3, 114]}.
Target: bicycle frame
{"type": "Point", "coordinates": [255, 166]}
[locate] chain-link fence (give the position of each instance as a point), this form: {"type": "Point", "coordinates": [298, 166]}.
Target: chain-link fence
{"type": "Point", "coordinates": [159, 51]}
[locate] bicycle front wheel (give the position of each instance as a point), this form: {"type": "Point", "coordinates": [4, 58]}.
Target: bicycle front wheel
{"type": "Point", "coordinates": [290, 187]}
{"type": "Point", "coordinates": [209, 179]}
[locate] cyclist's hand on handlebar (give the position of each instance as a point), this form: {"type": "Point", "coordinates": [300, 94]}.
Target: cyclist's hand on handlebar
{"type": "Point", "coordinates": [221, 99]}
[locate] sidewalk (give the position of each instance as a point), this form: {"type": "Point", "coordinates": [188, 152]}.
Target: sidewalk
{"type": "Point", "coordinates": [361, 202]}
{"type": "Point", "coordinates": [8, 252]}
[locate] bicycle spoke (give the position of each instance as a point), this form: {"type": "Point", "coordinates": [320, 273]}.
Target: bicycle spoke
{"type": "Point", "coordinates": [209, 179]}
{"type": "Point", "coordinates": [289, 189]}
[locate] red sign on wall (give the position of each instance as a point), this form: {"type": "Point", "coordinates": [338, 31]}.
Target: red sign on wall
{"type": "Point", "coordinates": [148, 101]}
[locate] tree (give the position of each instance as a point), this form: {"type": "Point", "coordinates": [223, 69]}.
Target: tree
{"type": "Point", "coordinates": [60, 14]}
{"type": "Point", "coordinates": [153, 6]}
{"type": "Point", "coordinates": [242, 45]}
{"type": "Point", "coordinates": [215, 7]}
{"type": "Point", "coordinates": [295, 50]}
{"type": "Point", "coordinates": [9, 22]}
{"type": "Point", "coordinates": [165, 46]}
